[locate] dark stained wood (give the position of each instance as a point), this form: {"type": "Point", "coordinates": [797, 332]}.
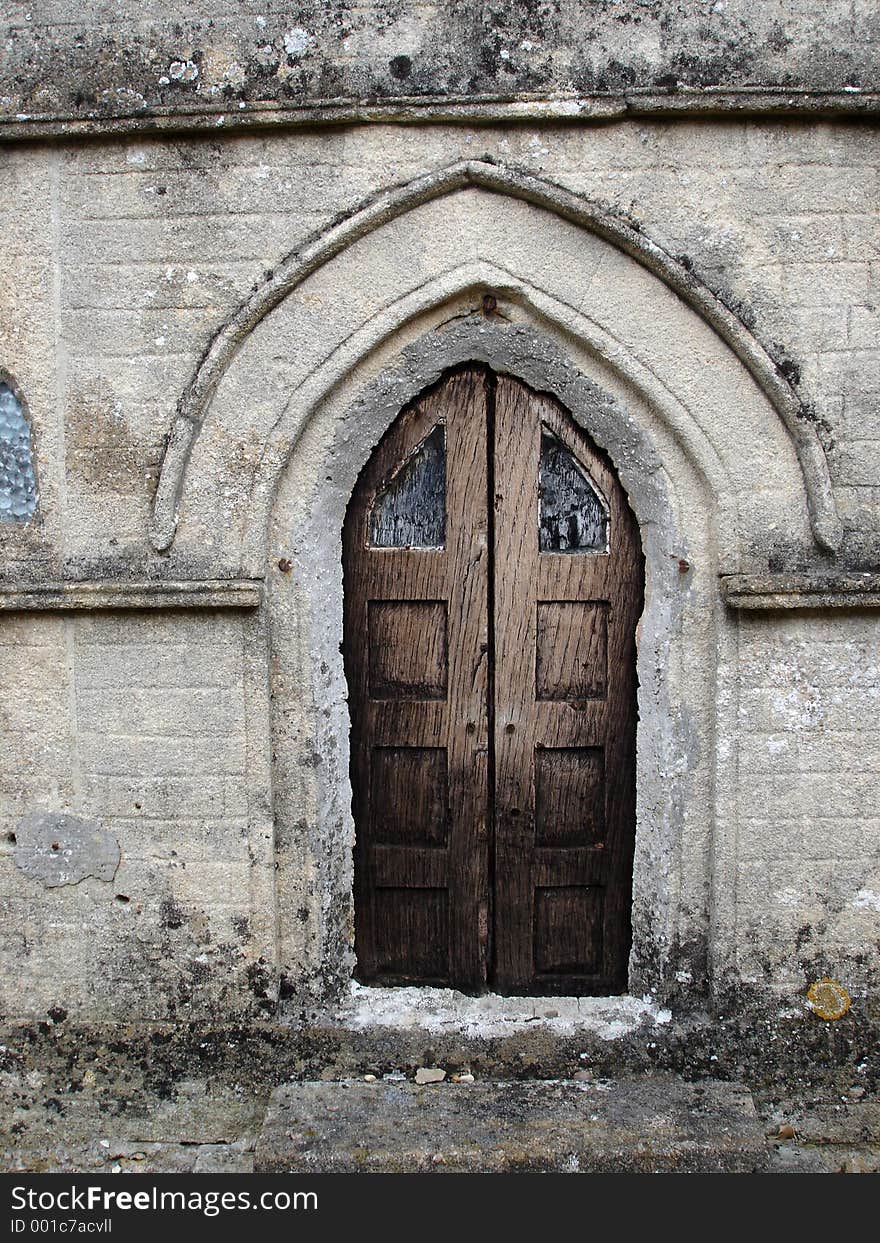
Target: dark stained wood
{"type": "Point", "coordinates": [569, 796]}
{"type": "Point", "coordinates": [416, 642]}
{"type": "Point", "coordinates": [399, 667]}
{"type": "Point", "coordinates": [572, 650]}
{"type": "Point", "coordinates": [565, 720]}
{"type": "Point", "coordinates": [493, 697]}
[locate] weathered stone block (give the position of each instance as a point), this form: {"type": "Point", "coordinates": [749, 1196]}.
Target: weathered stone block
{"type": "Point", "coordinates": [609, 1127]}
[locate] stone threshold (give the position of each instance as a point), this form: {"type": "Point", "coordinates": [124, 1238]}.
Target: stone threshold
{"type": "Point", "coordinates": [425, 1011]}
{"type": "Point", "coordinates": [645, 1125]}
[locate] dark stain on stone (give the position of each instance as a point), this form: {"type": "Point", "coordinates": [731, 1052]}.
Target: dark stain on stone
{"type": "Point", "coordinates": [260, 982]}
{"type": "Point", "coordinates": [400, 67]}
{"type": "Point", "coordinates": [170, 914]}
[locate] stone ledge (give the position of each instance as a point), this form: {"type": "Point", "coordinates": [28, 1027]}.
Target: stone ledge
{"type": "Point", "coordinates": [408, 110]}
{"type": "Point", "coordinates": [230, 593]}
{"type": "Point", "coordinates": [773, 592]}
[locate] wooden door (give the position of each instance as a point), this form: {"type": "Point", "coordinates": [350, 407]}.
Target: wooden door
{"type": "Point", "coordinates": [493, 581]}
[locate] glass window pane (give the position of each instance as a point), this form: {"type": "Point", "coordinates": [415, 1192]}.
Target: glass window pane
{"type": "Point", "coordinates": [572, 514]}
{"type": "Point", "coordinates": [18, 488]}
{"type": "Point", "coordinates": [411, 511]}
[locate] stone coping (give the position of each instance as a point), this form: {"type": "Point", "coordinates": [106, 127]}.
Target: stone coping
{"type": "Point", "coordinates": [746, 592]}
{"type": "Point", "coordinates": [562, 106]}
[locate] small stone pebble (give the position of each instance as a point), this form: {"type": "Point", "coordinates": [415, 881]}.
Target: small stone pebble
{"type": "Point", "coordinates": [430, 1074]}
{"type": "Point", "coordinates": [582, 1076]}
{"type": "Point", "coordinates": [857, 1092]}
{"type": "Point", "coordinates": [369, 1078]}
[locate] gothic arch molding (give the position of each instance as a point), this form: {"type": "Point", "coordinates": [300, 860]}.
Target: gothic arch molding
{"type": "Point", "coordinates": [594, 219]}
{"type": "Point", "coordinates": [684, 640]}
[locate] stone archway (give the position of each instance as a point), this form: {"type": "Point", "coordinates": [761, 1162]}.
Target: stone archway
{"type": "Point", "coordinates": [311, 737]}
{"type": "Point", "coordinates": [711, 469]}
{"type": "Point", "coordinates": [590, 218]}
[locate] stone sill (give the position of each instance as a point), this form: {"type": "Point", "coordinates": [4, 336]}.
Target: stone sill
{"type": "Point", "coordinates": [408, 109]}
{"type": "Point", "coordinates": [227, 593]}
{"type": "Point", "coordinates": [769, 592]}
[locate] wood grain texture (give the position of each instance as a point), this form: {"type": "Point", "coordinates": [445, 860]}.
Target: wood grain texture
{"type": "Point", "coordinates": [416, 641]}
{"type": "Point", "coordinates": [572, 650]}
{"type": "Point", "coordinates": [407, 649]}
{"type": "Point", "coordinates": [565, 690]}
{"type": "Point", "coordinates": [493, 695]}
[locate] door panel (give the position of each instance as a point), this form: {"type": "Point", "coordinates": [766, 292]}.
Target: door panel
{"type": "Point", "coordinates": [493, 581]}
{"type": "Point", "coordinates": [568, 596]}
{"type": "Point", "coordinates": [416, 641]}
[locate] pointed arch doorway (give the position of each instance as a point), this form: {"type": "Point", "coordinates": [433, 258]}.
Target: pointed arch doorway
{"type": "Point", "coordinates": [493, 580]}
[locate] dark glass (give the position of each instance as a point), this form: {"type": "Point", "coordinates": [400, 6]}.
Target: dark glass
{"type": "Point", "coordinates": [572, 516]}
{"type": "Point", "coordinates": [411, 511]}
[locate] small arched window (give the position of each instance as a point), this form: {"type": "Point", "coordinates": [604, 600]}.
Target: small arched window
{"type": "Point", "coordinates": [18, 485]}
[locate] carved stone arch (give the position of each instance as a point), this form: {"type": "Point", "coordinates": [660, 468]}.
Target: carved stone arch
{"type": "Point", "coordinates": [592, 220]}
{"type": "Point", "coordinates": [430, 314]}
{"type": "Point", "coordinates": [685, 644]}
{"type": "Point", "coordinates": [306, 390]}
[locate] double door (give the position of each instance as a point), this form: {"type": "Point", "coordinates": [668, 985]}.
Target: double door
{"type": "Point", "coordinates": [493, 582]}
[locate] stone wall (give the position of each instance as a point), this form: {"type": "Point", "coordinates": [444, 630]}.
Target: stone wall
{"type": "Point", "coordinates": [129, 256]}
{"type": "Point", "coordinates": [809, 870]}
{"type": "Point", "coordinates": [137, 721]}
{"type": "Point", "coordinates": [196, 738]}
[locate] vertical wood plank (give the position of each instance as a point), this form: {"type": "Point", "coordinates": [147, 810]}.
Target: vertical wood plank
{"type": "Point", "coordinates": [493, 694]}
{"type": "Point", "coordinates": [565, 681]}
{"type": "Point", "coordinates": [416, 661]}
{"type": "Point", "coordinates": [517, 444]}
{"type": "Point", "coordinates": [468, 740]}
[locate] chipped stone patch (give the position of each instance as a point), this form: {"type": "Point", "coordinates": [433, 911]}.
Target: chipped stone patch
{"type": "Point", "coordinates": [59, 849]}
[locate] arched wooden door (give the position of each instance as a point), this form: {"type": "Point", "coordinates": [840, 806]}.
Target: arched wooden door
{"type": "Point", "coordinates": [493, 582]}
